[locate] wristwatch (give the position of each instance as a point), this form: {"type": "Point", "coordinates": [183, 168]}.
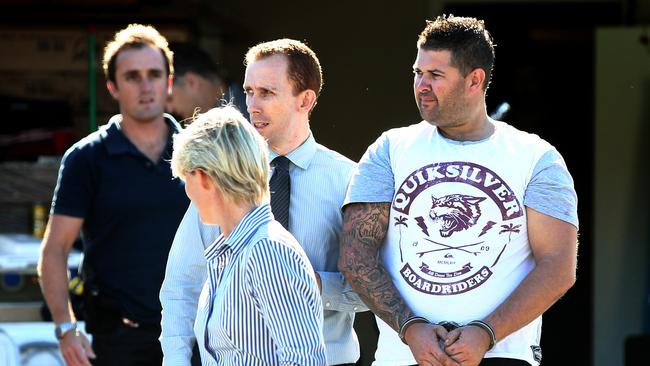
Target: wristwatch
{"type": "Point", "coordinates": [61, 329]}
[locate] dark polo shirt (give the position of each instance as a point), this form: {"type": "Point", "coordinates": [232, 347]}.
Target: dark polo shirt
{"type": "Point", "coordinates": [131, 209]}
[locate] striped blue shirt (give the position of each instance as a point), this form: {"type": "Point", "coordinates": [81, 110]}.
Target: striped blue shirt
{"type": "Point", "coordinates": [319, 180]}
{"type": "Point", "coordinates": [261, 304]}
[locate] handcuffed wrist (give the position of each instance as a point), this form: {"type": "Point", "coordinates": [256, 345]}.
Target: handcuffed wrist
{"type": "Point", "coordinates": [407, 323]}
{"type": "Point", "coordinates": [488, 329]}
{"type": "Point", "coordinates": [449, 326]}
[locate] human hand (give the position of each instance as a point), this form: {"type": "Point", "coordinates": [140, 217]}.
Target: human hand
{"type": "Point", "coordinates": [467, 345]}
{"type": "Point", "coordinates": [424, 340]}
{"type": "Point", "coordinates": [76, 349]}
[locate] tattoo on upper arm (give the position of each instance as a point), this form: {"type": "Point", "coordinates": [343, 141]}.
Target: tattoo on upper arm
{"type": "Point", "coordinates": [367, 223]}
{"type": "Point", "coordinates": [364, 230]}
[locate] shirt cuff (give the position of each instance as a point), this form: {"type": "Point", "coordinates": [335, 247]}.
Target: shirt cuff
{"type": "Point", "coordinates": [338, 295]}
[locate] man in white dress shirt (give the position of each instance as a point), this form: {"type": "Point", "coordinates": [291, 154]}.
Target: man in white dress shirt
{"type": "Point", "coordinates": [282, 84]}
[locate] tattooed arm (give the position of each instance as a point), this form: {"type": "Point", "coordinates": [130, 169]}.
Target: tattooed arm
{"type": "Point", "coordinates": [364, 230]}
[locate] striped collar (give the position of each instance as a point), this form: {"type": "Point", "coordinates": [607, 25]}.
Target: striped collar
{"type": "Point", "coordinates": [302, 155]}
{"type": "Point", "coordinates": [242, 233]}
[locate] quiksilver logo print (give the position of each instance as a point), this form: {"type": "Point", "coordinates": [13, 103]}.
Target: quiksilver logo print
{"type": "Point", "coordinates": [453, 222]}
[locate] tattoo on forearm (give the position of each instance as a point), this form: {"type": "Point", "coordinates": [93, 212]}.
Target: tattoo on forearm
{"type": "Point", "coordinates": [364, 231]}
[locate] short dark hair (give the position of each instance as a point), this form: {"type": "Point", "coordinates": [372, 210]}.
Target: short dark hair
{"type": "Point", "coordinates": [304, 70]}
{"type": "Point", "coordinates": [135, 36]}
{"type": "Point", "coordinates": [470, 43]}
{"type": "Point", "coordinates": [190, 57]}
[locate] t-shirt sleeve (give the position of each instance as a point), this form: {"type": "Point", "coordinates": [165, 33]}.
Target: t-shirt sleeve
{"type": "Point", "coordinates": [74, 185]}
{"type": "Point", "coordinates": [373, 179]}
{"type": "Point", "coordinates": [551, 190]}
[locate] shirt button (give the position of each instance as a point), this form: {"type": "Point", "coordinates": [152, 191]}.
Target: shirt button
{"type": "Point", "coordinates": [355, 308]}
{"type": "Point", "coordinates": [327, 304]}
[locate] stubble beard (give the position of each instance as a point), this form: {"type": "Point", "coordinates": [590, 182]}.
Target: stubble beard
{"type": "Point", "coordinates": [433, 115]}
{"type": "Point", "coordinates": [430, 116]}
{"type": "Point", "coordinates": [445, 115]}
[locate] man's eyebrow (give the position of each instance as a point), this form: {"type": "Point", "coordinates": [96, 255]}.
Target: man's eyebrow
{"type": "Point", "coordinates": [433, 71]}
{"type": "Point", "coordinates": [136, 71]}
{"type": "Point", "coordinates": [264, 87]}
{"type": "Point", "coordinates": [130, 73]}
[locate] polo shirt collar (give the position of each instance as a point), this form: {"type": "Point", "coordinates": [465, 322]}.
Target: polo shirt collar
{"type": "Point", "coordinates": [301, 156]}
{"type": "Point", "coordinates": [117, 142]}
{"type": "Point", "coordinates": [242, 233]}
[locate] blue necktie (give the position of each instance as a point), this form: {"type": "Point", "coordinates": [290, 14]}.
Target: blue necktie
{"type": "Point", "coordinates": [280, 188]}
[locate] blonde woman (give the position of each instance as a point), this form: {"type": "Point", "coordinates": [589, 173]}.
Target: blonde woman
{"type": "Point", "coordinates": [260, 303]}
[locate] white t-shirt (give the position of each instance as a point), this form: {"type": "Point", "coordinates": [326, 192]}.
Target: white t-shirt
{"type": "Point", "coordinates": [457, 243]}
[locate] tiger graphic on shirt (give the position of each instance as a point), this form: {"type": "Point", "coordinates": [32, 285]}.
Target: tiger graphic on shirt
{"type": "Point", "coordinates": [454, 221]}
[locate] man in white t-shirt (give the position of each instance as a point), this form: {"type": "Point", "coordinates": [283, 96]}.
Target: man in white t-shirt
{"type": "Point", "coordinates": [459, 231]}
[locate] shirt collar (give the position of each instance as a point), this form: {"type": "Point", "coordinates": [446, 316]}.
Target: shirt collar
{"type": "Point", "coordinates": [117, 142]}
{"type": "Point", "coordinates": [302, 155]}
{"type": "Point", "coordinates": [242, 232]}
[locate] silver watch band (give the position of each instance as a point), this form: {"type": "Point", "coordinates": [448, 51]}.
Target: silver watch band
{"type": "Point", "coordinates": [61, 329]}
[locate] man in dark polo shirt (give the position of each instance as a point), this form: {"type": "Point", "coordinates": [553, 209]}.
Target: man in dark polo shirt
{"type": "Point", "coordinates": [115, 187]}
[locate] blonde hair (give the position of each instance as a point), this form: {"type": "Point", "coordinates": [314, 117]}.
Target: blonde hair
{"type": "Point", "coordinates": [224, 145]}
{"type": "Point", "coordinates": [135, 36]}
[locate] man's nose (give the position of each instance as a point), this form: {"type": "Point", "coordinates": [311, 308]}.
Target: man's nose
{"type": "Point", "coordinates": [422, 84]}
{"type": "Point", "coordinates": [252, 104]}
{"type": "Point", "coordinates": [147, 83]}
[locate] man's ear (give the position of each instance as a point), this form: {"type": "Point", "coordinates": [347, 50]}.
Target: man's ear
{"type": "Point", "coordinates": [170, 82]}
{"type": "Point", "coordinates": [307, 100]}
{"type": "Point", "coordinates": [112, 89]}
{"type": "Point", "coordinates": [475, 80]}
